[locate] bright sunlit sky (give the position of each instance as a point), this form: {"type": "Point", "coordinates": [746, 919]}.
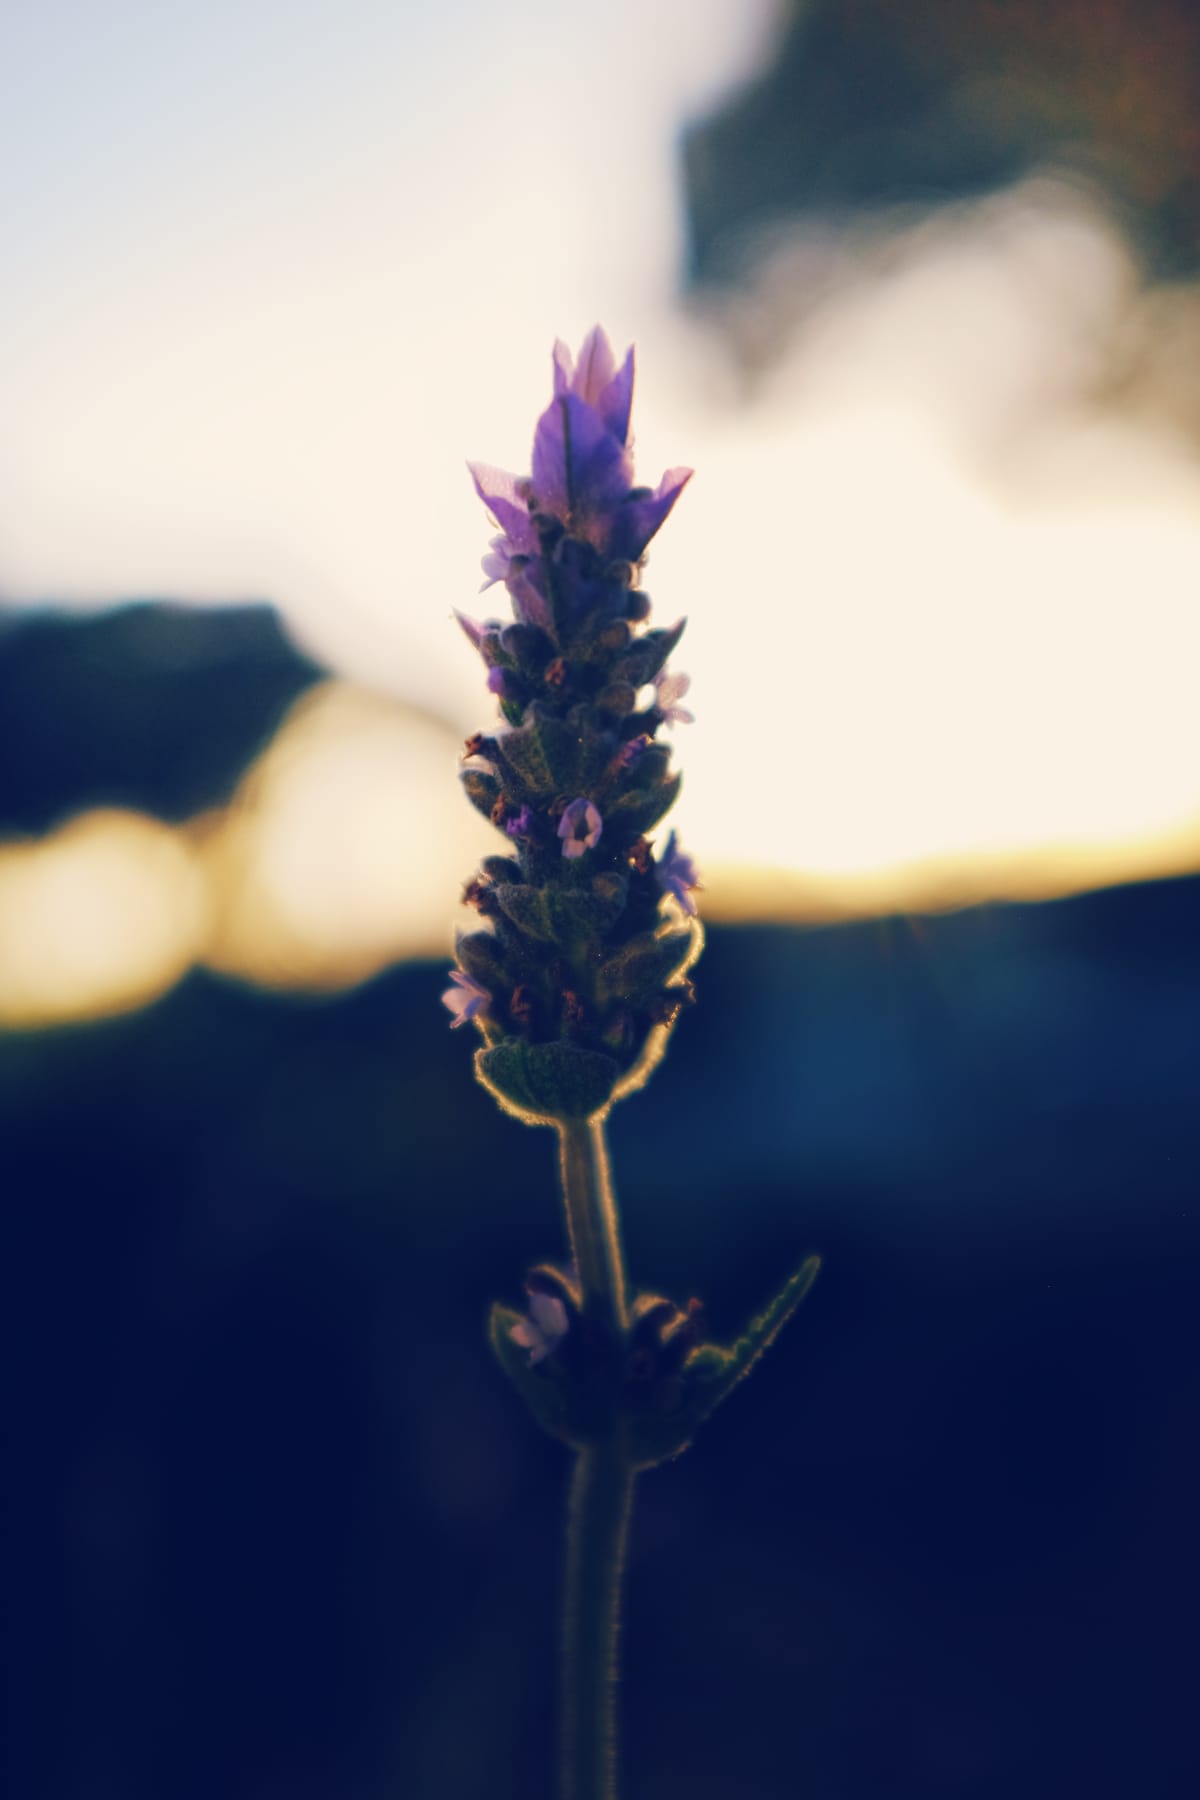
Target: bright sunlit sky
{"type": "Point", "coordinates": [273, 271]}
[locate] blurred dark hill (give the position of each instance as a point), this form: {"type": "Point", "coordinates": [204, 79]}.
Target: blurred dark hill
{"type": "Point", "coordinates": [872, 104]}
{"type": "Point", "coordinates": [156, 706]}
{"type": "Point", "coordinates": [278, 1528]}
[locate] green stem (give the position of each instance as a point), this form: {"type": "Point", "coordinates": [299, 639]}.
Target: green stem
{"type": "Point", "coordinates": [592, 1221]}
{"type": "Point", "coordinates": [597, 1532]}
{"type": "Point", "coordinates": [601, 1487]}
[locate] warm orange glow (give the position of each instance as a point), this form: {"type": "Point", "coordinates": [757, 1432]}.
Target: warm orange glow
{"type": "Point", "coordinates": [101, 916]}
{"type": "Point", "coordinates": [745, 893]}
{"type": "Point", "coordinates": [347, 844]}
{"type": "Point", "coordinates": [345, 847]}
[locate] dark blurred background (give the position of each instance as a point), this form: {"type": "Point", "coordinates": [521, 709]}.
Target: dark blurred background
{"type": "Point", "coordinates": [277, 1529]}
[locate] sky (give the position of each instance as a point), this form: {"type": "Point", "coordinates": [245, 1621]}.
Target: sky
{"type": "Point", "coordinates": [274, 272]}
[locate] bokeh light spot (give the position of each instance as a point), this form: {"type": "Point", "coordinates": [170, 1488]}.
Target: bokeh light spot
{"type": "Point", "coordinates": [339, 852]}
{"type": "Point", "coordinates": [99, 917]}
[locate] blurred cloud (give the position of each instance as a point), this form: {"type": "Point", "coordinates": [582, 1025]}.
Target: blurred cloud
{"type": "Point", "coordinates": [979, 581]}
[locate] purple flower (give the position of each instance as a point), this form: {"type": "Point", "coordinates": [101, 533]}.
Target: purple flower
{"type": "Point", "coordinates": [582, 474]}
{"type": "Point", "coordinates": [495, 564]}
{"type": "Point", "coordinates": [521, 825]}
{"type": "Point", "coordinates": [637, 520]}
{"type": "Point", "coordinates": [543, 1330]}
{"type": "Point", "coordinates": [507, 499]}
{"type": "Point", "coordinates": [466, 999]}
{"type": "Point", "coordinates": [676, 874]}
{"type": "Point", "coordinates": [529, 604]}
{"type": "Point", "coordinates": [668, 689]}
{"type": "Point", "coordinates": [580, 828]}
{"type": "Point", "coordinates": [596, 379]}
{"type": "Point", "coordinates": [633, 751]}
{"type": "Point", "coordinates": [501, 683]}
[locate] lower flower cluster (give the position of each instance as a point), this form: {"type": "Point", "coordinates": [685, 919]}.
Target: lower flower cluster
{"type": "Point", "coordinates": [650, 1384]}
{"type": "Point", "coordinates": [648, 1387]}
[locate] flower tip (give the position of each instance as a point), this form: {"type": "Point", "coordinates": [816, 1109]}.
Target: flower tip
{"type": "Point", "coordinates": [564, 366]}
{"type": "Point", "coordinates": [487, 479]}
{"type": "Point", "coordinates": [472, 627]}
{"type": "Point", "coordinates": [596, 366]}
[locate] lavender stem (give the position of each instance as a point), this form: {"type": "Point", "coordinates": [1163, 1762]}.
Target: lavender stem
{"type": "Point", "coordinates": [597, 1533]}
{"type": "Point", "coordinates": [592, 1222]}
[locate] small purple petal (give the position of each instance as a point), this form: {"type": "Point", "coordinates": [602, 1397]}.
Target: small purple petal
{"type": "Point", "coordinates": [529, 604]}
{"type": "Point", "coordinates": [635, 523]}
{"type": "Point", "coordinates": [633, 751]}
{"type": "Point", "coordinates": [596, 366]}
{"type": "Point", "coordinates": [550, 479]}
{"type": "Point", "coordinates": [495, 564]}
{"type": "Point", "coordinates": [466, 999]}
{"type": "Point", "coordinates": [580, 828]}
{"type": "Point", "coordinates": [521, 825]}
{"type": "Point", "coordinates": [543, 1330]}
{"type": "Point", "coordinates": [580, 470]}
{"type": "Point", "coordinates": [501, 494]}
{"type": "Point", "coordinates": [596, 379]}
{"type": "Point", "coordinates": [615, 402]}
{"type": "Point", "coordinates": [501, 683]}
{"type": "Point", "coordinates": [676, 874]}
{"type": "Point", "coordinates": [668, 690]}
{"type": "Point", "coordinates": [548, 1314]}
{"type": "Point", "coordinates": [564, 367]}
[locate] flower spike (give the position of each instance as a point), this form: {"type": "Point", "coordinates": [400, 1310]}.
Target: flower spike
{"type": "Point", "coordinates": [577, 971]}
{"type": "Point", "coordinates": [585, 965]}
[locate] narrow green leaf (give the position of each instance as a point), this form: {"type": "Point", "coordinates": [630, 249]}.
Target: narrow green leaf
{"type": "Point", "coordinates": [481, 955]}
{"type": "Point", "coordinates": [640, 812]}
{"type": "Point", "coordinates": [643, 967]}
{"type": "Point", "coordinates": [759, 1334]}
{"type": "Point", "coordinates": [581, 912]}
{"type": "Point", "coordinates": [646, 656]}
{"type": "Point", "coordinates": [482, 790]}
{"type": "Point", "coordinates": [542, 753]}
{"type": "Point", "coordinates": [528, 908]}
